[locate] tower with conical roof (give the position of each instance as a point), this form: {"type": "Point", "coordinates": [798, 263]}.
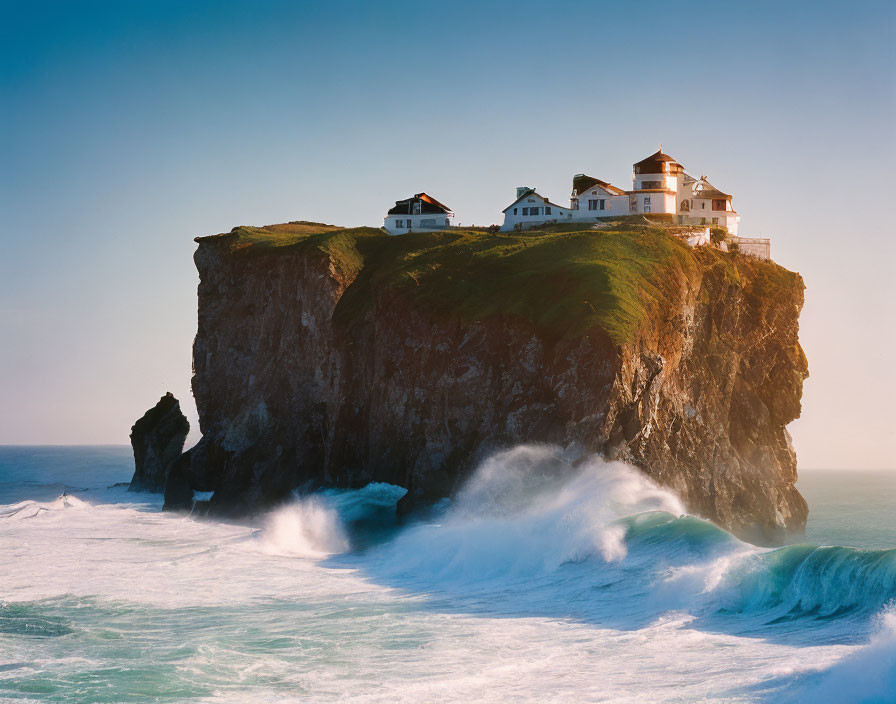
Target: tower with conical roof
{"type": "Point", "coordinates": [655, 184]}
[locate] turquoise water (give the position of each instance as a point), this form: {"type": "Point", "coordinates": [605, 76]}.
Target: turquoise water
{"type": "Point", "coordinates": [850, 507]}
{"type": "Point", "coordinates": [535, 584]}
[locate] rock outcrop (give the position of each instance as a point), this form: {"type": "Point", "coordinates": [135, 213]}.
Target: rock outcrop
{"type": "Point", "coordinates": [345, 357]}
{"type": "Point", "coordinates": [158, 441]}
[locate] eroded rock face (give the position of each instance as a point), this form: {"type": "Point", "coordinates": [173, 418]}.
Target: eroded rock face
{"type": "Point", "coordinates": [158, 440]}
{"type": "Point", "coordinates": [294, 393]}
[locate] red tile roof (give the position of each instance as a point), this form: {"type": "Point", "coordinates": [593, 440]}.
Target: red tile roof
{"type": "Point", "coordinates": [428, 204]}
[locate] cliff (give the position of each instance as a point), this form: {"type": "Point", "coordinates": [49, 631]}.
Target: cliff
{"type": "Point", "coordinates": [329, 356]}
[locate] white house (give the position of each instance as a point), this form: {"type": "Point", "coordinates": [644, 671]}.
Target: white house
{"type": "Point", "coordinates": [659, 186]}
{"type": "Point", "coordinates": [592, 198]}
{"type": "Point", "coordinates": [656, 182]}
{"type": "Point", "coordinates": [422, 213]}
{"type": "Point", "coordinates": [707, 205]}
{"type": "Point", "coordinates": [531, 208]}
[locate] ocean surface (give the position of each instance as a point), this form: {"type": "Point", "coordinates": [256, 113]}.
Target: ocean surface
{"type": "Point", "coordinates": [539, 583]}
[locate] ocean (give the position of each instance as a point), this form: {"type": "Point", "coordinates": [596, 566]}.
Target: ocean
{"type": "Point", "coordinates": [538, 582]}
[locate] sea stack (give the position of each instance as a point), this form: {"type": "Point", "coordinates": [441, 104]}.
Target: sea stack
{"type": "Point", "coordinates": [158, 440]}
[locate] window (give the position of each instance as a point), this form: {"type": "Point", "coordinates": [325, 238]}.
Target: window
{"type": "Point", "coordinates": [547, 210]}
{"type": "Point", "coordinates": [646, 204]}
{"type": "Point", "coordinates": [514, 211]}
{"type": "Point", "coordinates": [651, 184]}
{"type": "Point", "coordinates": [592, 204]}
{"type": "Point", "coordinates": [533, 211]}
{"type": "Point", "coordinates": [399, 223]}
{"type": "Point", "coordinates": [718, 204]}
{"type": "Point", "coordinates": [416, 208]}
{"type": "Point", "coordinates": [575, 204]}
{"type": "Point", "coordinates": [703, 205]}
{"type": "Point", "coordinates": [525, 211]}
{"type": "Point", "coordinates": [715, 221]}
{"type": "Point", "coordinates": [603, 204]}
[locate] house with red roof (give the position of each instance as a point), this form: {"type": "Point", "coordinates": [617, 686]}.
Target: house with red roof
{"type": "Point", "coordinates": [420, 213]}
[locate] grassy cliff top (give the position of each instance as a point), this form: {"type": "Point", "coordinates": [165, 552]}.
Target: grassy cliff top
{"type": "Point", "coordinates": [564, 280]}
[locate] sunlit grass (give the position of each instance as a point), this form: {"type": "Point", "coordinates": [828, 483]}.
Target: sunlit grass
{"type": "Point", "coordinates": [562, 282]}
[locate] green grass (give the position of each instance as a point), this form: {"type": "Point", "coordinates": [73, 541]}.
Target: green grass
{"type": "Point", "coordinates": [339, 243]}
{"type": "Point", "coordinates": [563, 282]}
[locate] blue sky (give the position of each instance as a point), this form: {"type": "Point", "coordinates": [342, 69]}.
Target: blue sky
{"type": "Point", "coordinates": [128, 128]}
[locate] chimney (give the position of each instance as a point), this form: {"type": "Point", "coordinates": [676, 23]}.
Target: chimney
{"type": "Point", "coordinates": [520, 190]}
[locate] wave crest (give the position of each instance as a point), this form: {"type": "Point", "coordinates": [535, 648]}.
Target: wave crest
{"type": "Point", "coordinates": [866, 676]}
{"type": "Point", "coordinates": [525, 512]}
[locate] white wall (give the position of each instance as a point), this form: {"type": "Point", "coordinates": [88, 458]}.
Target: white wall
{"type": "Point", "coordinates": [613, 205]}
{"type": "Point", "coordinates": [558, 213]}
{"type": "Point", "coordinates": [669, 181]}
{"type": "Point", "coordinates": [423, 222]}
{"type": "Point", "coordinates": [727, 219]}
{"type": "Point", "coordinates": [660, 202]}
{"type": "Point", "coordinates": [754, 246]}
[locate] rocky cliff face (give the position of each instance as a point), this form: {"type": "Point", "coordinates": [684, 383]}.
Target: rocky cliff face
{"type": "Point", "coordinates": [158, 440]}
{"type": "Point", "coordinates": [347, 357]}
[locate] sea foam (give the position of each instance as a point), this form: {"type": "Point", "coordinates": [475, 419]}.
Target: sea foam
{"type": "Point", "coordinates": [539, 580]}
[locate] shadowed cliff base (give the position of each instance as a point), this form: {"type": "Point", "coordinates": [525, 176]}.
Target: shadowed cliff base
{"type": "Point", "coordinates": [336, 357]}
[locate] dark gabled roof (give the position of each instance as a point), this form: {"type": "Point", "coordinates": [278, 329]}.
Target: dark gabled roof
{"type": "Point", "coordinates": [711, 193]}
{"type": "Point", "coordinates": [428, 204]}
{"type": "Point", "coordinates": [708, 190]}
{"type": "Point", "coordinates": [532, 192]}
{"type": "Point", "coordinates": [581, 183]}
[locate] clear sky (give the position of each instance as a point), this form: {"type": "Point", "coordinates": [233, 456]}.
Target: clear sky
{"type": "Point", "coordinates": [128, 128]}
